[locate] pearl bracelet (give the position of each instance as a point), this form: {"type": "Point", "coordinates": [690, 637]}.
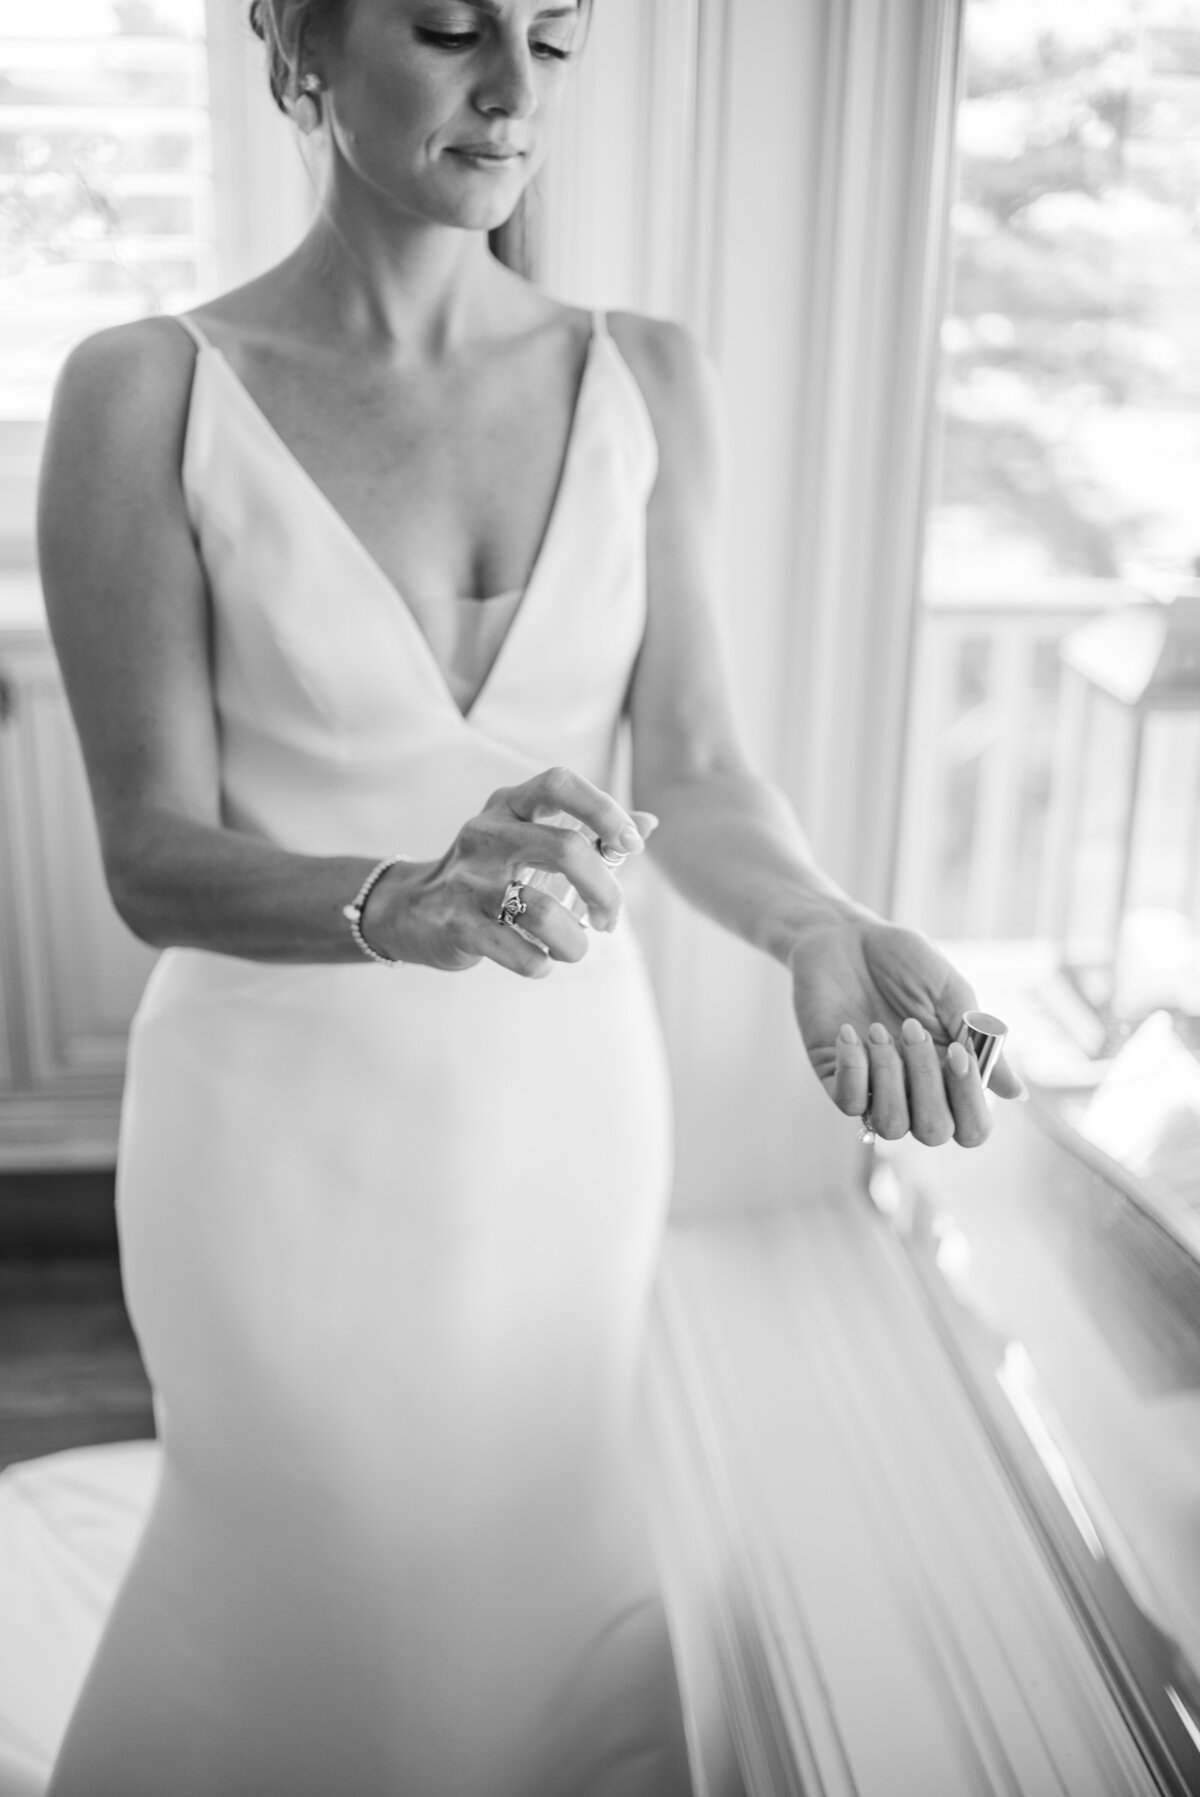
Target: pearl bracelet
{"type": "Point", "coordinates": [353, 912]}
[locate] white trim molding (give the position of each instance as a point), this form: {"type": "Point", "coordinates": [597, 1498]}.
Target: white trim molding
{"type": "Point", "coordinates": [629, 193]}
{"type": "Point", "coordinates": [866, 419]}
{"type": "Point", "coordinates": [265, 195]}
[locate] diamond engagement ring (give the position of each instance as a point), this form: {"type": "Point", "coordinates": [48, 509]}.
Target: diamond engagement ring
{"type": "Point", "coordinates": [512, 905]}
{"type": "Point", "coordinates": [866, 1129]}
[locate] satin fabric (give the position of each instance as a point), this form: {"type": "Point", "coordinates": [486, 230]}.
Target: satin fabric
{"type": "Point", "coordinates": [388, 1238]}
{"type": "Point", "coordinates": [69, 1524]}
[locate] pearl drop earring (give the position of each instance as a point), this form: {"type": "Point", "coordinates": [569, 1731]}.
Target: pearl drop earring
{"type": "Point", "coordinates": [306, 107]}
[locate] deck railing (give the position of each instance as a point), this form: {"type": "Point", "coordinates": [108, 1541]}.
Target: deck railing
{"type": "Point", "coordinates": [989, 744]}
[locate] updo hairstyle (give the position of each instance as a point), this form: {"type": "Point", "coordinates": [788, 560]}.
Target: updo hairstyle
{"type": "Point", "coordinates": [288, 28]}
{"type": "Point", "coordinates": [291, 28]}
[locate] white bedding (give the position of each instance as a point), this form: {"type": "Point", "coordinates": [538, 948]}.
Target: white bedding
{"type": "Point", "coordinates": [68, 1527]}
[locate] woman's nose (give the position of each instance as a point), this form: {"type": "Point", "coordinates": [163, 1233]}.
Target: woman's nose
{"type": "Point", "coordinates": [506, 86]}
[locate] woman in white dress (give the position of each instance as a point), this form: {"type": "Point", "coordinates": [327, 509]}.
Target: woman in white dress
{"type": "Point", "coordinates": [374, 557]}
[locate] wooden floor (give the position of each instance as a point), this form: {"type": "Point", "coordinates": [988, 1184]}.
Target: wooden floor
{"type": "Point", "coordinates": [70, 1371]}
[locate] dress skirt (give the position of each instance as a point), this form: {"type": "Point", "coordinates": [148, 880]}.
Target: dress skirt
{"type": "Point", "coordinates": [388, 1242]}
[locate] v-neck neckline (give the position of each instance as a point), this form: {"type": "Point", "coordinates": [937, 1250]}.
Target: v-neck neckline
{"type": "Point", "coordinates": [393, 594]}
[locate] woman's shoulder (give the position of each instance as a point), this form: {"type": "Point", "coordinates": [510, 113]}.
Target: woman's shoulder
{"type": "Point", "coordinates": [676, 375]}
{"type": "Point", "coordinates": [667, 349]}
{"type": "Point", "coordinates": [139, 372]}
{"type": "Point", "coordinates": [143, 368]}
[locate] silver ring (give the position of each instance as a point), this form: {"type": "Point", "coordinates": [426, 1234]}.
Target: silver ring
{"type": "Point", "coordinates": [866, 1129]}
{"type": "Point", "coordinates": [512, 905]}
{"type": "Point", "coordinates": [611, 857]}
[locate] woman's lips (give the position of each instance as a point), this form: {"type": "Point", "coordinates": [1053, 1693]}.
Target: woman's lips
{"type": "Point", "coordinates": [489, 154]}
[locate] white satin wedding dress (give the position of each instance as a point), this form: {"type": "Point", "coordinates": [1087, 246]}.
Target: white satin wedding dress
{"type": "Point", "coordinates": [388, 1238]}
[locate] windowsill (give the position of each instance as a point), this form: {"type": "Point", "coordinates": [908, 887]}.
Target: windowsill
{"type": "Point", "coordinates": [1051, 1033]}
{"type": "Point", "coordinates": [883, 1619]}
{"type": "Point", "coordinates": [1067, 1290]}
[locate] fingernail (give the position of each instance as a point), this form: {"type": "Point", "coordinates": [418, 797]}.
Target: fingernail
{"type": "Point", "coordinates": [911, 1031]}
{"type": "Point", "coordinates": [849, 1035]}
{"type": "Point", "coordinates": [651, 822]}
{"type": "Point", "coordinates": [957, 1059]}
{"type": "Point", "coordinates": [630, 839]}
{"type": "Point", "coordinates": [878, 1034]}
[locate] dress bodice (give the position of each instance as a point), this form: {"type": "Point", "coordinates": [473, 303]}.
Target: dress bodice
{"type": "Point", "coordinates": [466, 635]}
{"type": "Point", "coordinates": [339, 729]}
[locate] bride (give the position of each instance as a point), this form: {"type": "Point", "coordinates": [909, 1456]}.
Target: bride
{"type": "Point", "coordinates": [357, 575]}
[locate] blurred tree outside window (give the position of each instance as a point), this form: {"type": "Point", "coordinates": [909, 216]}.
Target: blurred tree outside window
{"type": "Point", "coordinates": [1070, 387]}
{"type": "Point", "coordinates": [105, 197]}
{"type": "Point", "coordinates": [1068, 403]}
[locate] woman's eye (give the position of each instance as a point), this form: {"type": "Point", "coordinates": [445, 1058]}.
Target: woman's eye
{"type": "Point", "coordinates": [465, 40]}
{"type": "Point", "coordinates": [449, 40]}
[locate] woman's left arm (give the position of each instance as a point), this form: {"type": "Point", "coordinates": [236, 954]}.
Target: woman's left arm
{"type": "Point", "coordinates": [878, 1005]}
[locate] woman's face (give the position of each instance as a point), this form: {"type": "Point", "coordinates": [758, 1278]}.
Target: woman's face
{"type": "Point", "coordinates": [443, 107]}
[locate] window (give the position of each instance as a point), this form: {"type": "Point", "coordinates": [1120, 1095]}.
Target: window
{"type": "Point", "coordinates": [1052, 812]}
{"type": "Point", "coordinates": [106, 197]}
{"type": "Point", "coordinates": [1070, 403]}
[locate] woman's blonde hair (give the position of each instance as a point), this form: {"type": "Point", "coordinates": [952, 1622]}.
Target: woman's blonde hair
{"type": "Point", "coordinates": [291, 28]}
{"type": "Point", "coordinates": [287, 27]}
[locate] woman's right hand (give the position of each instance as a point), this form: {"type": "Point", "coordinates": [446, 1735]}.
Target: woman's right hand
{"type": "Point", "coordinates": [446, 913]}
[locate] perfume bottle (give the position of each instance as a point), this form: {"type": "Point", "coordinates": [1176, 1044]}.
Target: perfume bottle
{"type": "Point", "coordinates": [557, 885]}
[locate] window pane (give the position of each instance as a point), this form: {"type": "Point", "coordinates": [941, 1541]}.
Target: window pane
{"type": "Point", "coordinates": [1070, 382]}
{"type": "Point", "coordinates": [1069, 401]}
{"type": "Point", "coordinates": [105, 193]}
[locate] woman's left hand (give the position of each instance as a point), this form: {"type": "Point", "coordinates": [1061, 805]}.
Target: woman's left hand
{"type": "Point", "coordinates": [879, 1008]}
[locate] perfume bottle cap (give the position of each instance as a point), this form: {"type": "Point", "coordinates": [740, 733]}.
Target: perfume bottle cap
{"type": "Point", "coordinates": [983, 1035]}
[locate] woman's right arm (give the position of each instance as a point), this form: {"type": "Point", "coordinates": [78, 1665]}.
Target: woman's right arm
{"type": "Point", "coordinates": [128, 612]}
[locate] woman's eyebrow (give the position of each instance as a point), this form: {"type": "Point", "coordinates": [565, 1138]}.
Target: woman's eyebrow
{"type": "Point", "coordinates": [543, 12]}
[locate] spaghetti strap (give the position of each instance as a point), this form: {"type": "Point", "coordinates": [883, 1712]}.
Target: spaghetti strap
{"type": "Point", "coordinates": [637, 413]}
{"type": "Point", "coordinates": [193, 330]}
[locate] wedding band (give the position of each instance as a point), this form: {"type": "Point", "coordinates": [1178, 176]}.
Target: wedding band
{"type": "Point", "coordinates": [512, 905]}
{"type": "Point", "coordinates": [611, 857]}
